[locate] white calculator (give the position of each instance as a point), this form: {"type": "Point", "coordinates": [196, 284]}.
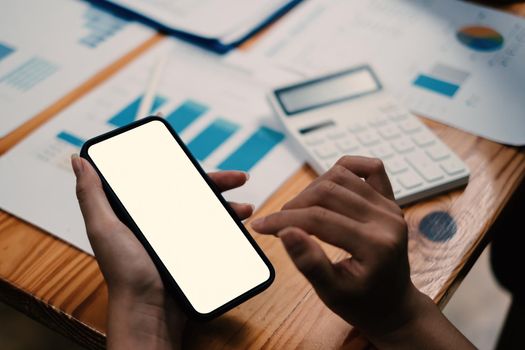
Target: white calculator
{"type": "Point", "coordinates": [350, 113]}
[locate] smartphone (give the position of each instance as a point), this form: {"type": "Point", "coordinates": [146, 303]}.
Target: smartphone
{"type": "Point", "coordinates": [201, 249]}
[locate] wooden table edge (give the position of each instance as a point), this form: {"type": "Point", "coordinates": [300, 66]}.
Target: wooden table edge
{"type": "Point", "coordinates": [50, 316]}
{"type": "Point", "coordinates": [477, 247]}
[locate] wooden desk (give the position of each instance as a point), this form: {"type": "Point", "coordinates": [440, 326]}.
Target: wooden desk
{"type": "Point", "coordinates": [63, 288]}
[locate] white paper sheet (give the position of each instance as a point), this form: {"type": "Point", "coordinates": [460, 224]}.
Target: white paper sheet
{"type": "Point", "coordinates": [425, 51]}
{"type": "Point", "coordinates": [38, 184]}
{"type": "Point", "coordinates": [225, 20]}
{"type": "Point", "coordinates": [47, 48]}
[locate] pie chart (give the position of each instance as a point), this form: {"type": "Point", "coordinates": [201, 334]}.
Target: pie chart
{"type": "Point", "coordinates": [480, 38]}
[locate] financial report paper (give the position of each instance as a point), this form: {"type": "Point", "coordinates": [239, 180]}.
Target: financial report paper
{"type": "Point", "coordinates": [224, 20]}
{"type": "Point", "coordinates": [48, 48]}
{"type": "Point", "coordinates": [458, 63]}
{"type": "Point", "coordinates": [217, 107]}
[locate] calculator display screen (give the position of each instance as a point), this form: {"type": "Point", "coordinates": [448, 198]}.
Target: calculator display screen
{"type": "Point", "coordinates": [328, 90]}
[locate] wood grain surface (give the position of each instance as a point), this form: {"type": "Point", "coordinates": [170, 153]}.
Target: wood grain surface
{"type": "Point", "coordinates": [63, 288]}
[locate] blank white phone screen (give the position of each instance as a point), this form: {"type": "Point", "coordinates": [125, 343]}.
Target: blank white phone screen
{"type": "Point", "coordinates": [192, 233]}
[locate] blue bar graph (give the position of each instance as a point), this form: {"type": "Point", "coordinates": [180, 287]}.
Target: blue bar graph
{"type": "Point", "coordinates": [29, 74]}
{"type": "Point", "coordinates": [436, 85]}
{"type": "Point", "coordinates": [256, 147]}
{"type": "Point", "coordinates": [129, 113]}
{"type": "Point", "coordinates": [100, 26]}
{"type": "Point", "coordinates": [71, 139]}
{"type": "Point", "coordinates": [5, 51]}
{"type": "Point", "coordinates": [185, 114]}
{"type": "Point", "coordinates": [211, 138]}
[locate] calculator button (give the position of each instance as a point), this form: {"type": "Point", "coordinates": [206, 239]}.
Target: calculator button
{"type": "Point", "coordinates": [410, 180]}
{"type": "Point", "coordinates": [452, 166]}
{"type": "Point", "coordinates": [396, 188]}
{"type": "Point", "coordinates": [313, 140]}
{"type": "Point", "coordinates": [423, 138]}
{"type": "Point", "coordinates": [389, 131]}
{"type": "Point", "coordinates": [336, 134]}
{"type": "Point", "coordinates": [410, 125]}
{"type": "Point", "coordinates": [389, 107]}
{"type": "Point", "coordinates": [379, 120]}
{"type": "Point", "coordinates": [347, 145]}
{"type": "Point", "coordinates": [397, 117]}
{"type": "Point", "coordinates": [382, 151]}
{"type": "Point", "coordinates": [326, 151]}
{"type": "Point", "coordinates": [425, 166]}
{"type": "Point", "coordinates": [363, 152]}
{"type": "Point", "coordinates": [368, 138]}
{"type": "Point", "coordinates": [402, 145]}
{"type": "Point", "coordinates": [438, 152]}
{"type": "Point", "coordinates": [396, 165]}
{"type": "Point", "coordinates": [357, 127]}
{"type": "Point", "coordinates": [328, 164]}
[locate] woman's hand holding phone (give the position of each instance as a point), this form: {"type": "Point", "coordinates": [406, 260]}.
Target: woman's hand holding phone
{"type": "Point", "coordinates": [141, 315]}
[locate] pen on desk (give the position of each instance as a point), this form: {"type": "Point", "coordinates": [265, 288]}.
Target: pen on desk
{"type": "Point", "coordinates": [149, 95]}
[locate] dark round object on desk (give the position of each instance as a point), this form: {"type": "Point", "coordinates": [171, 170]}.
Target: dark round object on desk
{"type": "Point", "coordinates": [438, 226]}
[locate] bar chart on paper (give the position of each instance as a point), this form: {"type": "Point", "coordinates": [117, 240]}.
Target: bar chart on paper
{"type": "Point", "coordinates": [249, 152]}
{"type": "Point", "coordinates": [222, 117]}
{"type": "Point", "coordinates": [29, 74]}
{"type": "Point", "coordinates": [100, 26]}
{"type": "Point", "coordinates": [442, 79]}
{"type": "Point", "coordinates": [5, 51]}
{"type": "Point", "coordinates": [41, 62]}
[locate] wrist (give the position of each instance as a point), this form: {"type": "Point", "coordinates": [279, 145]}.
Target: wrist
{"type": "Point", "coordinates": [395, 315]}
{"type": "Point", "coordinates": [138, 323]}
{"type": "Point", "coordinates": [422, 325]}
{"type": "Point", "coordinates": [412, 311]}
{"type": "Point", "coordinates": [133, 292]}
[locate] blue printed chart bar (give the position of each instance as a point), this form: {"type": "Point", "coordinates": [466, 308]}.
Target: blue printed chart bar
{"type": "Point", "coordinates": [436, 85]}
{"type": "Point", "coordinates": [185, 114]}
{"type": "Point", "coordinates": [211, 138]}
{"type": "Point", "coordinates": [5, 51]}
{"type": "Point", "coordinates": [254, 149]}
{"type": "Point", "coordinates": [129, 113]}
{"type": "Point", "coordinates": [124, 117]}
{"type": "Point", "coordinates": [70, 138]}
{"type": "Point", "coordinates": [443, 80]}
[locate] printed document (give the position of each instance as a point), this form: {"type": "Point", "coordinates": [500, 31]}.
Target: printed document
{"type": "Point", "coordinates": [217, 108]}
{"type": "Point", "coordinates": [48, 48]}
{"type": "Point", "coordinates": [455, 62]}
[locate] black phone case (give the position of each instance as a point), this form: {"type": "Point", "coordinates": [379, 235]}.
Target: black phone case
{"type": "Point", "coordinates": [124, 216]}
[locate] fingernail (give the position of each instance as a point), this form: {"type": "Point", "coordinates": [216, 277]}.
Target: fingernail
{"type": "Point", "coordinates": [77, 165]}
{"type": "Point", "coordinates": [247, 176]}
{"type": "Point", "coordinates": [251, 206]}
{"type": "Point", "coordinates": [257, 224]}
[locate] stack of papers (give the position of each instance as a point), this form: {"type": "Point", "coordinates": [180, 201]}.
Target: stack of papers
{"type": "Point", "coordinates": [218, 24]}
